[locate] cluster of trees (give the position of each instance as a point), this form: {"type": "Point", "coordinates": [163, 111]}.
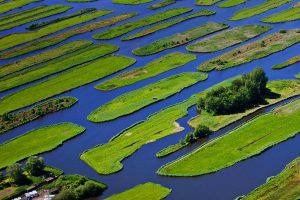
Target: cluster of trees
{"type": "Point", "coordinates": [243, 93]}
{"type": "Point", "coordinates": [199, 132]}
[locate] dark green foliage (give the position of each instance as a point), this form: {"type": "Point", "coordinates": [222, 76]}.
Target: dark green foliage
{"type": "Point", "coordinates": [1, 176]}
{"type": "Point", "coordinates": [89, 189]}
{"type": "Point", "coordinates": [15, 172]}
{"type": "Point", "coordinates": [189, 138]}
{"type": "Point", "coordinates": [35, 165]}
{"type": "Point", "coordinates": [201, 131]}
{"type": "Point", "coordinates": [245, 92]}
{"type": "Point", "coordinates": [282, 31]}
{"type": "Point", "coordinates": [66, 195]}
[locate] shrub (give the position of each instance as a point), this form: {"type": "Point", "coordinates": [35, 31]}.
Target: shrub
{"type": "Point", "coordinates": [282, 31]}
{"type": "Point", "coordinates": [66, 195]}
{"type": "Point", "coordinates": [15, 172]}
{"type": "Point", "coordinates": [189, 138]}
{"type": "Point", "coordinates": [201, 131]}
{"type": "Point", "coordinates": [35, 165]}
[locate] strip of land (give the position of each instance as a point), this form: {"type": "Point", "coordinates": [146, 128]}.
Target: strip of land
{"type": "Point", "coordinates": [43, 57]}
{"type": "Point", "coordinates": [206, 2]}
{"type": "Point", "coordinates": [248, 140]}
{"type": "Point", "coordinates": [287, 63]}
{"type": "Point", "coordinates": [170, 149]}
{"type": "Point", "coordinates": [13, 120]}
{"type": "Point", "coordinates": [155, 67]}
{"type": "Point", "coordinates": [288, 15]}
{"type": "Point", "coordinates": [179, 38]}
{"type": "Point", "coordinates": [22, 12]}
{"type": "Point", "coordinates": [21, 38]}
{"type": "Point", "coordinates": [255, 50]}
{"type": "Point", "coordinates": [130, 26]}
{"type": "Point", "coordinates": [285, 185]}
{"type": "Point", "coordinates": [227, 38]}
{"type": "Point", "coordinates": [61, 83]}
{"type": "Point", "coordinates": [50, 41]}
{"type": "Point", "coordinates": [167, 24]}
{"type": "Point", "coordinates": [133, 101]}
{"type": "Point", "coordinates": [11, 5]}
{"type": "Point", "coordinates": [256, 10]}
{"type": "Point", "coordinates": [60, 64]}
{"type": "Point", "coordinates": [231, 3]}
{"type": "Point", "coordinates": [148, 190]}
{"type": "Point", "coordinates": [37, 141]}
{"type": "Point", "coordinates": [162, 4]}
{"type": "Point", "coordinates": [131, 2]}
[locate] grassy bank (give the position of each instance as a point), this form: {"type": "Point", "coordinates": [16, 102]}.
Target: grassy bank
{"type": "Point", "coordinates": [155, 67]}
{"type": "Point", "coordinates": [255, 50]}
{"type": "Point", "coordinates": [162, 4]}
{"type": "Point", "coordinates": [283, 186]}
{"type": "Point", "coordinates": [130, 26]}
{"type": "Point", "coordinates": [21, 38]}
{"type": "Point", "coordinates": [228, 38]}
{"type": "Point", "coordinates": [11, 5]}
{"type": "Point", "coordinates": [43, 57]}
{"type": "Point", "coordinates": [248, 140]}
{"type": "Point", "coordinates": [13, 120]}
{"type": "Point", "coordinates": [287, 63]}
{"type": "Point", "coordinates": [167, 24]}
{"type": "Point", "coordinates": [179, 39]}
{"type": "Point", "coordinates": [256, 10]}
{"type": "Point", "coordinates": [206, 2]}
{"type": "Point", "coordinates": [133, 101]}
{"type": "Point", "coordinates": [148, 190]}
{"type": "Point", "coordinates": [288, 15]}
{"type": "Point", "coordinates": [37, 141]}
{"type": "Point", "coordinates": [131, 2]}
{"type": "Point", "coordinates": [61, 83]}
{"type": "Point", "coordinates": [170, 149]}
{"type": "Point", "coordinates": [56, 65]}
{"type": "Point", "coordinates": [231, 3]}
{"type": "Point", "coordinates": [50, 41]}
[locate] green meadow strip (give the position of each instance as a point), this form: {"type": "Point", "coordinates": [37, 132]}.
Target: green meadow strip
{"type": "Point", "coordinates": [14, 4]}
{"type": "Point", "coordinates": [46, 23]}
{"type": "Point", "coordinates": [248, 140]}
{"type": "Point", "coordinates": [43, 57]}
{"type": "Point", "coordinates": [61, 83]}
{"type": "Point", "coordinates": [155, 67]}
{"type": "Point", "coordinates": [231, 3]}
{"type": "Point", "coordinates": [37, 141]}
{"type": "Point", "coordinates": [288, 15]}
{"type": "Point", "coordinates": [287, 63]}
{"type": "Point", "coordinates": [21, 38]}
{"type": "Point", "coordinates": [167, 24]}
{"type": "Point", "coordinates": [170, 149]}
{"type": "Point", "coordinates": [20, 13]}
{"type": "Point", "coordinates": [130, 26]}
{"type": "Point", "coordinates": [162, 4]}
{"type": "Point", "coordinates": [206, 2]}
{"type": "Point", "coordinates": [148, 190]}
{"type": "Point", "coordinates": [57, 65]}
{"type": "Point", "coordinates": [32, 16]}
{"type": "Point", "coordinates": [179, 39]}
{"type": "Point", "coordinates": [131, 2]}
{"type": "Point", "coordinates": [13, 120]}
{"type": "Point", "coordinates": [256, 10]}
{"type": "Point", "coordinates": [50, 41]}
{"type": "Point", "coordinates": [255, 50]}
{"type": "Point", "coordinates": [135, 100]}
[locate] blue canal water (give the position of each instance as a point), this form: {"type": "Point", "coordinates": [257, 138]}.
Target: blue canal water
{"type": "Point", "coordinates": [142, 165]}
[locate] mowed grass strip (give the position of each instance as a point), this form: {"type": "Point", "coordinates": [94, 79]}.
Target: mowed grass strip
{"type": "Point", "coordinates": [155, 67]}
{"type": "Point", "coordinates": [162, 4]}
{"type": "Point", "coordinates": [135, 100]}
{"type": "Point", "coordinates": [288, 15]}
{"type": "Point", "coordinates": [256, 10]}
{"type": "Point", "coordinates": [32, 16]}
{"type": "Point", "coordinates": [11, 5]}
{"type": "Point", "coordinates": [61, 83]}
{"type": "Point", "coordinates": [228, 38]}
{"type": "Point", "coordinates": [130, 26]}
{"type": "Point", "coordinates": [206, 2]}
{"type": "Point", "coordinates": [131, 2]}
{"type": "Point", "coordinates": [167, 24]}
{"type": "Point", "coordinates": [20, 38]}
{"type": "Point", "coordinates": [150, 191]}
{"type": "Point", "coordinates": [287, 63]}
{"type": "Point", "coordinates": [248, 140]}
{"type": "Point", "coordinates": [261, 48]}
{"type": "Point", "coordinates": [285, 185]}
{"type": "Point", "coordinates": [43, 57]}
{"type": "Point", "coordinates": [50, 41]}
{"type": "Point", "coordinates": [37, 141]}
{"type": "Point", "coordinates": [179, 39]}
{"type": "Point", "coordinates": [231, 3]}
{"type": "Point", "coordinates": [56, 65]}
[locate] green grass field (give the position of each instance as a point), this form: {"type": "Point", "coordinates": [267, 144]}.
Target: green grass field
{"type": "Point", "coordinates": [50, 41]}
{"type": "Point", "coordinates": [61, 83]}
{"type": "Point", "coordinates": [288, 15]}
{"type": "Point", "coordinates": [285, 185]}
{"type": "Point", "coordinates": [287, 63]}
{"type": "Point", "coordinates": [56, 65]}
{"type": "Point", "coordinates": [135, 100]}
{"type": "Point", "coordinates": [130, 26]}
{"type": "Point", "coordinates": [167, 24]}
{"type": "Point", "coordinates": [11, 5]}
{"type": "Point", "coordinates": [256, 10]}
{"type": "Point", "coordinates": [131, 2]}
{"type": "Point", "coordinates": [170, 149]}
{"type": "Point", "coordinates": [15, 39]}
{"type": "Point", "coordinates": [179, 39]}
{"type": "Point", "coordinates": [161, 4]}
{"type": "Point", "coordinates": [248, 140]}
{"type": "Point", "coordinates": [43, 57]}
{"type": "Point", "coordinates": [155, 67]}
{"type": "Point", "coordinates": [149, 191]}
{"type": "Point", "coordinates": [37, 141]}
{"type": "Point", "coordinates": [206, 2]}
{"type": "Point", "coordinates": [264, 47]}
{"type": "Point", "coordinates": [231, 3]}
{"type": "Point", "coordinates": [228, 38]}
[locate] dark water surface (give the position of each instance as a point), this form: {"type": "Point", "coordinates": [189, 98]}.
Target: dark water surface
{"type": "Point", "coordinates": [142, 165]}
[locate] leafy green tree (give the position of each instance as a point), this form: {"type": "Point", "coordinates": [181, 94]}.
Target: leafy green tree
{"type": "Point", "coordinates": [15, 172]}
{"type": "Point", "coordinates": [66, 195]}
{"type": "Point", "coordinates": [35, 165]}
{"type": "Point", "coordinates": [189, 138]}
{"type": "Point", "coordinates": [201, 131]}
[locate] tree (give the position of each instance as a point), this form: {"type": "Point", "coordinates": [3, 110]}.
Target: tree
{"type": "Point", "coordinates": [89, 189]}
{"type": "Point", "coordinates": [66, 195]}
{"type": "Point", "coordinates": [15, 172]}
{"type": "Point", "coordinates": [189, 138]}
{"type": "Point", "coordinates": [35, 165]}
{"type": "Point", "coordinates": [201, 131]}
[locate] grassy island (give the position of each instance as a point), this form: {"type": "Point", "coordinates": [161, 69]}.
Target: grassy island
{"type": "Point", "coordinates": [131, 2]}
{"type": "Point", "coordinates": [231, 3]}
{"type": "Point", "coordinates": [206, 2]}
{"type": "Point", "coordinates": [11, 5]}
{"type": "Point", "coordinates": [170, 149]}
{"type": "Point", "coordinates": [288, 15]}
{"type": "Point", "coordinates": [287, 63]}
{"type": "Point", "coordinates": [162, 4]}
